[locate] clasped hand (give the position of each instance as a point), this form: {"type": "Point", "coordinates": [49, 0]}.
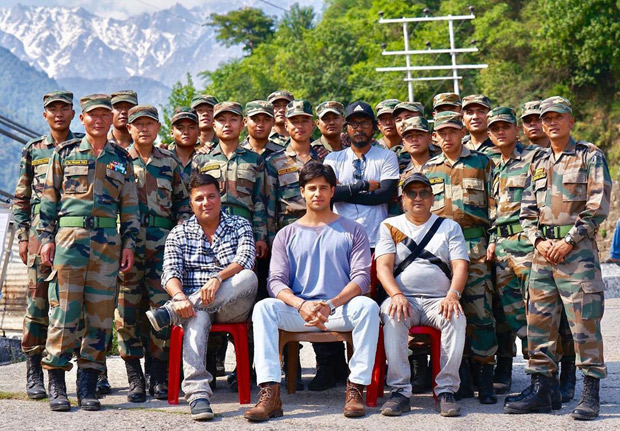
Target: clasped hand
{"type": "Point", "coordinates": [315, 313]}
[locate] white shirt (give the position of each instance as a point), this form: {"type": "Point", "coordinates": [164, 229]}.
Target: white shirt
{"type": "Point", "coordinates": [379, 165]}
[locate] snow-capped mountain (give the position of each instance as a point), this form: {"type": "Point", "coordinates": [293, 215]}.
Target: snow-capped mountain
{"type": "Point", "coordinates": [72, 42]}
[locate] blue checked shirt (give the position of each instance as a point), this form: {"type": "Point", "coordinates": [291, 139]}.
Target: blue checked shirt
{"type": "Point", "coordinates": [190, 257]}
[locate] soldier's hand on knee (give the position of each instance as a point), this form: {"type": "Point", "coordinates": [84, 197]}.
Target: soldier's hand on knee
{"type": "Point", "coordinates": [47, 254]}
{"type": "Point", "coordinates": [23, 251]}
{"type": "Point", "coordinates": [399, 307]}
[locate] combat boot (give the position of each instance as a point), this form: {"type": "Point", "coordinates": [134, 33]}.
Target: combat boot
{"type": "Point", "coordinates": [589, 404]}
{"type": "Point", "coordinates": [35, 386]}
{"type": "Point", "coordinates": [502, 379]}
{"type": "Point", "coordinates": [519, 397]}
{"type": "Point", "coordinates": [323, 379]}
{"type": "Point", "coordinates": [137, 384]}
{"type": "Point", "coordinates": [556, 395]}
{"type": "Point", "coordinates": [57, 390]}
{"type": "Point", "coordinates": [422, 380]}
{"type": "Point", "coordinates": [486, 393]}
{"type": "Point", "coordinates": [103, 384]}
{"type": "Point", "coordinates": [354, 401]}
{"type": "Point", "coordinates": [158, 387]}
{"type": "Point", "coordinates": [466, 389]}
{"type": "Point", "coordinates": [269, 404]}
{"type": "Point", "coordinates": [536, 398]}
{"type": "Point", "coordinates": [567, 379]}
{"type": "Point", "coordinates": [87, 389]}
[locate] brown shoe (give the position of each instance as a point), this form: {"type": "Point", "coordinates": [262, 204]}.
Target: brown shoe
{"type": "Point", "coordinates": [354, 404]}
{"type": "Point", "coordinates": [269, 404]}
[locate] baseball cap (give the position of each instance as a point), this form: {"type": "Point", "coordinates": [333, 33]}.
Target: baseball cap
{"type": "Point", "coordinates": [501, 113]}
{"type": "Point", "coordinates": [143, 111]}
{"type": "Point", "coordinates": [386, 106]}
{"type": "Point", "coordinates": [330, 106]}
{"type": "Point", "coordinates": [409, 106]}
{"type": "Point", "coordinates": [203, 98]}
{"type": "Point", "coordinates": [446, 99]}
{"type": "Point", "coordinates": [555, 104]}
{"type": "Point", "coordinates": [298, 107]}
{"type": "Point", "coordinates": [234, 107]}
{"type": "Point", "coordinates": [184, 113]}
{"type": "Point", "coordinates": [58, 96]}
{"type": "Point", "coordinates": [415, 123]}
{"type": "Point", "coordinates": [476, 99]}
{"type": "Point", "coordinates": [93, 101]}
{"type": "Point", "coordinates": [416, 177]}
{"type": "Point", "coordinates": [258, 107]}
{"type": "Point", "coordinates": [448, 119]}
{"type": "Point", "coordinates": [359, 107]}
{"type": "Point", "coordinates": [530, 108]}
{"type": "Point", "coordinates": [280, 94]}
{"type": "Point", "coordinates": [128, 96]}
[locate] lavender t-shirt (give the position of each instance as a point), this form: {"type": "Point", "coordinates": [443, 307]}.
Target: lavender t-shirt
{"type": "Point", "coordinates": [318, 262]}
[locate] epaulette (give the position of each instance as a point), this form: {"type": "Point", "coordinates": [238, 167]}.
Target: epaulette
{"type": "Point", "coordinates": [433, 160]}
{"type": "Point", "coordinates": [34, 141]}
{"type": "Point", "coordinates": [120, 150]}
{"type": "Point", "coordinates": [69, 143]}
{"type": "Point", "coordinates": [79, 135]}
{"type": "Point", "coordinates": [589, 145]}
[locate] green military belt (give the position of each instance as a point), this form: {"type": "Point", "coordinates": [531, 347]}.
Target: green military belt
{"type": "Point", "coordinates": [36, 208]}
{"type": "Point", "coordinates": [156, 221]}
{"type": "Point", "coordinates": [238, 211]}
{"type": "Point", "coordinates": [507, 230]}
{"type": "Point", "coordinates": [474, 232]}
{"type": "Point", "coordinates": [555, 232]}
{"type": "Point", "coordinates": [87, 222]}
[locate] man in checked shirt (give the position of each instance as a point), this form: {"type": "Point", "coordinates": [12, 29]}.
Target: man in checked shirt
{"type": "Point", "coordinates": [207, 271]}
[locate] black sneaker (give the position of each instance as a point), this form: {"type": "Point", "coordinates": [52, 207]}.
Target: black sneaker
{"type": "Point", "coordinates": [447, 405]}
{"type": "Point", "coordinates": [201, 409]}
{"type": "Point", "coordinates": [396, 405]}
{"type": "Point", "coordinates": [159, 318]}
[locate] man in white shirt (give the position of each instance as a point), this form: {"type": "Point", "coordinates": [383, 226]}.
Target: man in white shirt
{"type": "Point", "coordinates": [367, 174]}
{"type": "Point", "coordinates": [424, 274]}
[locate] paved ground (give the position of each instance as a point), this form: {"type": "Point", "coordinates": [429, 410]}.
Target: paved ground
{"type": "Point", "coordinates": [304, 410]}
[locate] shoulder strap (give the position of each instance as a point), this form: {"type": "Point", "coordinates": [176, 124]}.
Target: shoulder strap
{"type": "Point", "coordinates": [418, 248]}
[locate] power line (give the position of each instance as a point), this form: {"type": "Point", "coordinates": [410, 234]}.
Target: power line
{"type": "Point", "coordinates": [274, 5]}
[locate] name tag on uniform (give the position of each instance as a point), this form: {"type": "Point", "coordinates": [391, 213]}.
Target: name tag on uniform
{"type": "Point", "coordinates": [539, 174]}
{"type": "Point", "coordinates": [76, 162]}
{"type": "Point", "coordinates": [287, 170]}
{"type": "Point", "coordinates": [40, 162]}
{"type": "Point", "coordinates": [436, 180]}
{"type": "Point", "coordinates": [212, 169]}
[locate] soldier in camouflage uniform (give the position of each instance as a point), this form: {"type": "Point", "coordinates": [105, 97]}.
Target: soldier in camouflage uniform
{"type": "Point", "coordinates": [532, 124]}
{"type": "Point", "coordinates": [566, 199]}
{"type": "Point", "coordinates": [461, 182]}
{"type": "Point", "coordinates": [58, 112]}
{"type": "Point", "coordinates": [508, 245]}
{"type": "Point", "coordinates": [122, 102]}
{"type": "Point", "coordinates": [184, 131]}
{"type": "Point", "coordinates": [475, 109]}
{"type": "Point", "coordinates": [446, 102]}
{"type": "Point", "coordinates": [279, 100]}
{"type": "Point", "coordinates": [163, 202]}
{"type": "Point", "coordinates": [203, 104]}
{"type": "Point", "coordinates": [330, 121]}
{"type": "Point", "coordinates": [89, 183]}
{"type": "Point", "coordinates": [386, 125]}
{"type": "Point", "coordinates": [259, 121]}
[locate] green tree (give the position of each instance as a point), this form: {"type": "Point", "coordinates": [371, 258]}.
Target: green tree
{"type": "Point", "coordinates": [181, 95]}
{"type": "Point", "coordinates": [248, 27]}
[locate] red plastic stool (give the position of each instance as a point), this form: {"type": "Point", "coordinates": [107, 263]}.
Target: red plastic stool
{"type": "Point", "coordinates": [239, 332]}
{"type": "Point", "coordinates": [376, 387]}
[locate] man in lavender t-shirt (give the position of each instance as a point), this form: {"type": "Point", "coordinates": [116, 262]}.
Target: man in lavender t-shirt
{"type": "Point", "coordinates": [319, 270]}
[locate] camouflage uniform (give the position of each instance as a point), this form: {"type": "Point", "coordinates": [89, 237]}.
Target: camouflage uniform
{"type": "Point", "coordinates": [487, 147]}
{"type": "Point", "coordinates": [321, 146]}
{"type": "Point", "coordinates": [210, 100]}
{"type": "Point", "coordinates": [463, 193]}
{"type": "Point", "coordinates": [274, 136]}
{"type": "Point", "coordinates": [260, 107]}
{"type": "Point", "coordinates": [33, 168]}
{"type": "Point", "coordinates": [128, 96]}
{"type": "Point", "coordinates": [566, 197]}
{"type": "Point", "coordinates": [163, 202]}
{"type": "Point", "coordinates": [83, 196]}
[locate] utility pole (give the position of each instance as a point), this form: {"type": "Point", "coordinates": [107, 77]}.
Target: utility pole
{"type": "Point", "coordinates": [453, 51]}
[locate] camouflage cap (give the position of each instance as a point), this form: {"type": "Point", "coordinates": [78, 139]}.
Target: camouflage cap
{"type": "Point", "coordinates": [386, 106]}
{"type": "Point", "coordinates": [409, 106]}
{"type": "Point", "coordinates": [555, 104]}
{"type": "Point", "coordinates": [501, 113]}
{"type": "Point", "coordinates": [94, 101]}
{"type": "Point", "coordinates": [203, 99]}
{"type": "Point", "coordinates": [184, 113]}
{"type": "Point", "coordinates": [234, 107]}
{"type": "Point", "coordinates": [128, 96]}
{"type": "Point", "coordinates": [448, 119]}
{"type": "Point", "coordinates": [530, 108]}
{"type": "Point", "coordinates": [143, 111]}
{"type": "Point", "coordinates": [58, 96]}
{"type": "Point", "coordinates": [452, 99]}
{"type": "Point", "coordinates": [258, 107]}
{"type": "Point", "coordinates": [416, 177]}
{"type": "Point", "coordinates": [330, 106]}
{"type": "Point", "coordinates": [280, 94]}
{"type": "Point", "coordinates": [298, 107]}
{"type": "Point", "coordinates": [415, 123]}
{"type": "Point", "coordinates": [476, 99]}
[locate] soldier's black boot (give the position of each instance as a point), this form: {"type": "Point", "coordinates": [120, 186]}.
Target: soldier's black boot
{"type": "Point", "coordinates": [502, 379]}
{"type": "Point", "coordinates": [35, 386]}
{"type": "Point", "coordinates": [589, 404]}
{"type": "Point", "coordinates": [87, 389]}
{"type": "Point", "coordinates": [57, 390]}
{"type": "Point", "coordinates": [567, 379]}
{"type": "Point", "coordinates": [159, 379]}
{"type": "Point", "coordinates": [137, 384]}
{"type": "Point", "coordinates": [519, 397]}
{"type": "Point", "coordinates": [486, 393]}
{"type": "Point", "coordinates": [422, 380]}
{"type": "Point", "coordinates": [466, 389]}
{"type": "Point", "coordinates": [536, 398]}
{"type": "Point", "coordinates": [556, 395]}
{"type": "Point", "coordinates": [103, 384]}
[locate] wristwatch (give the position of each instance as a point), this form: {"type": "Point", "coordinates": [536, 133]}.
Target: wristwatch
{"type": "Point", "coordinates": [332, 309]}
{"type": "Point", "coordinates": [218, 277]}
{"type": "Point", "coordinates": [569, 239]}
{"type": "Point", "coordinates": [456, 292]}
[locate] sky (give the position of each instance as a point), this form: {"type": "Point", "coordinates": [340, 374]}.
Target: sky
{"type": "Point", "coordinates": [122, 8]}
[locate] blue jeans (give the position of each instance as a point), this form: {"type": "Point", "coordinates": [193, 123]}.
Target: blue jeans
{"type": "Point", "coordinates": [614, 253]}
